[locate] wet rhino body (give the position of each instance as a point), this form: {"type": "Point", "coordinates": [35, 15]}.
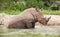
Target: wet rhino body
{"type": "Point", "coordinates": [27, 19]}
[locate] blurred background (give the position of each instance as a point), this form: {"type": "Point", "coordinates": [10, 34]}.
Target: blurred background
{"type": "Point", "coordinates": [16, 6]}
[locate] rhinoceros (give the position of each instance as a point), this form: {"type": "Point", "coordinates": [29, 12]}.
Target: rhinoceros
{"type": "Point", "coordinates": [27, 19]}
{"type": "Point", "coordinates": [2, 15]}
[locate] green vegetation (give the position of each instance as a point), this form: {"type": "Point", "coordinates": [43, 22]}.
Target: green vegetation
{"type": "Point", "coordinates": [17, 6]}
{"type": "Point", "coordinates": [12, 12]}
{"type": "Point", "coordinates": [30, 35]}
{"type": "Point", "coordinates": [23, 4]}
{"type": "Point", "coordinates": [50, 12]}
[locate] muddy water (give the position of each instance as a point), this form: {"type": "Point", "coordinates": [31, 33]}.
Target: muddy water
{"type": "Point", "coordinates": [36, 30]}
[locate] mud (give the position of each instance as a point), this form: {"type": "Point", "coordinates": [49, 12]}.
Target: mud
{"type": "Point", "coordinates": [36, 30]}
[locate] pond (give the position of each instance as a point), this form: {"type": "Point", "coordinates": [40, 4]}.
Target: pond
{"type": "Point", "coordinates": [38, 30]}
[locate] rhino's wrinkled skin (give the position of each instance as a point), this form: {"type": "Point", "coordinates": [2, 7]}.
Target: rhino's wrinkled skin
{"type": "Point", "coordinates": [27, 19]}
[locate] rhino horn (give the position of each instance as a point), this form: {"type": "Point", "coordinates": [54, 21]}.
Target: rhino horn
{"type": "Point", "coordinates": [48, 18]}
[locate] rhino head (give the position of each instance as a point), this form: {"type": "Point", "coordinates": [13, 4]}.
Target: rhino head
{"type": "Point", "coordinates": [44, 21]}
{"type": "Point", "coordinates": [40, 17]}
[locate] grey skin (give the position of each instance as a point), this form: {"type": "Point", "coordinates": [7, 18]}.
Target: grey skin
{"type": "Point", "coordinates": [27, 19]}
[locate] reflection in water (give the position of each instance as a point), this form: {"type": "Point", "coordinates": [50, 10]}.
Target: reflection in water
{"type": "Point", "coordinates": [38, 29]}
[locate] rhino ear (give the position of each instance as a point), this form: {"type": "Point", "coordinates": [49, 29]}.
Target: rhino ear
{"type": "Point", "coordinates": [48, 19]}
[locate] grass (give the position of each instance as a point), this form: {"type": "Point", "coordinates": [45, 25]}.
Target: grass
{"type": "Point", "coordinates": [29, 35]}
{"type": "Point", "coordinates": [50, 12]}
{"type": "Point", "coordinates": [11, 12]}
